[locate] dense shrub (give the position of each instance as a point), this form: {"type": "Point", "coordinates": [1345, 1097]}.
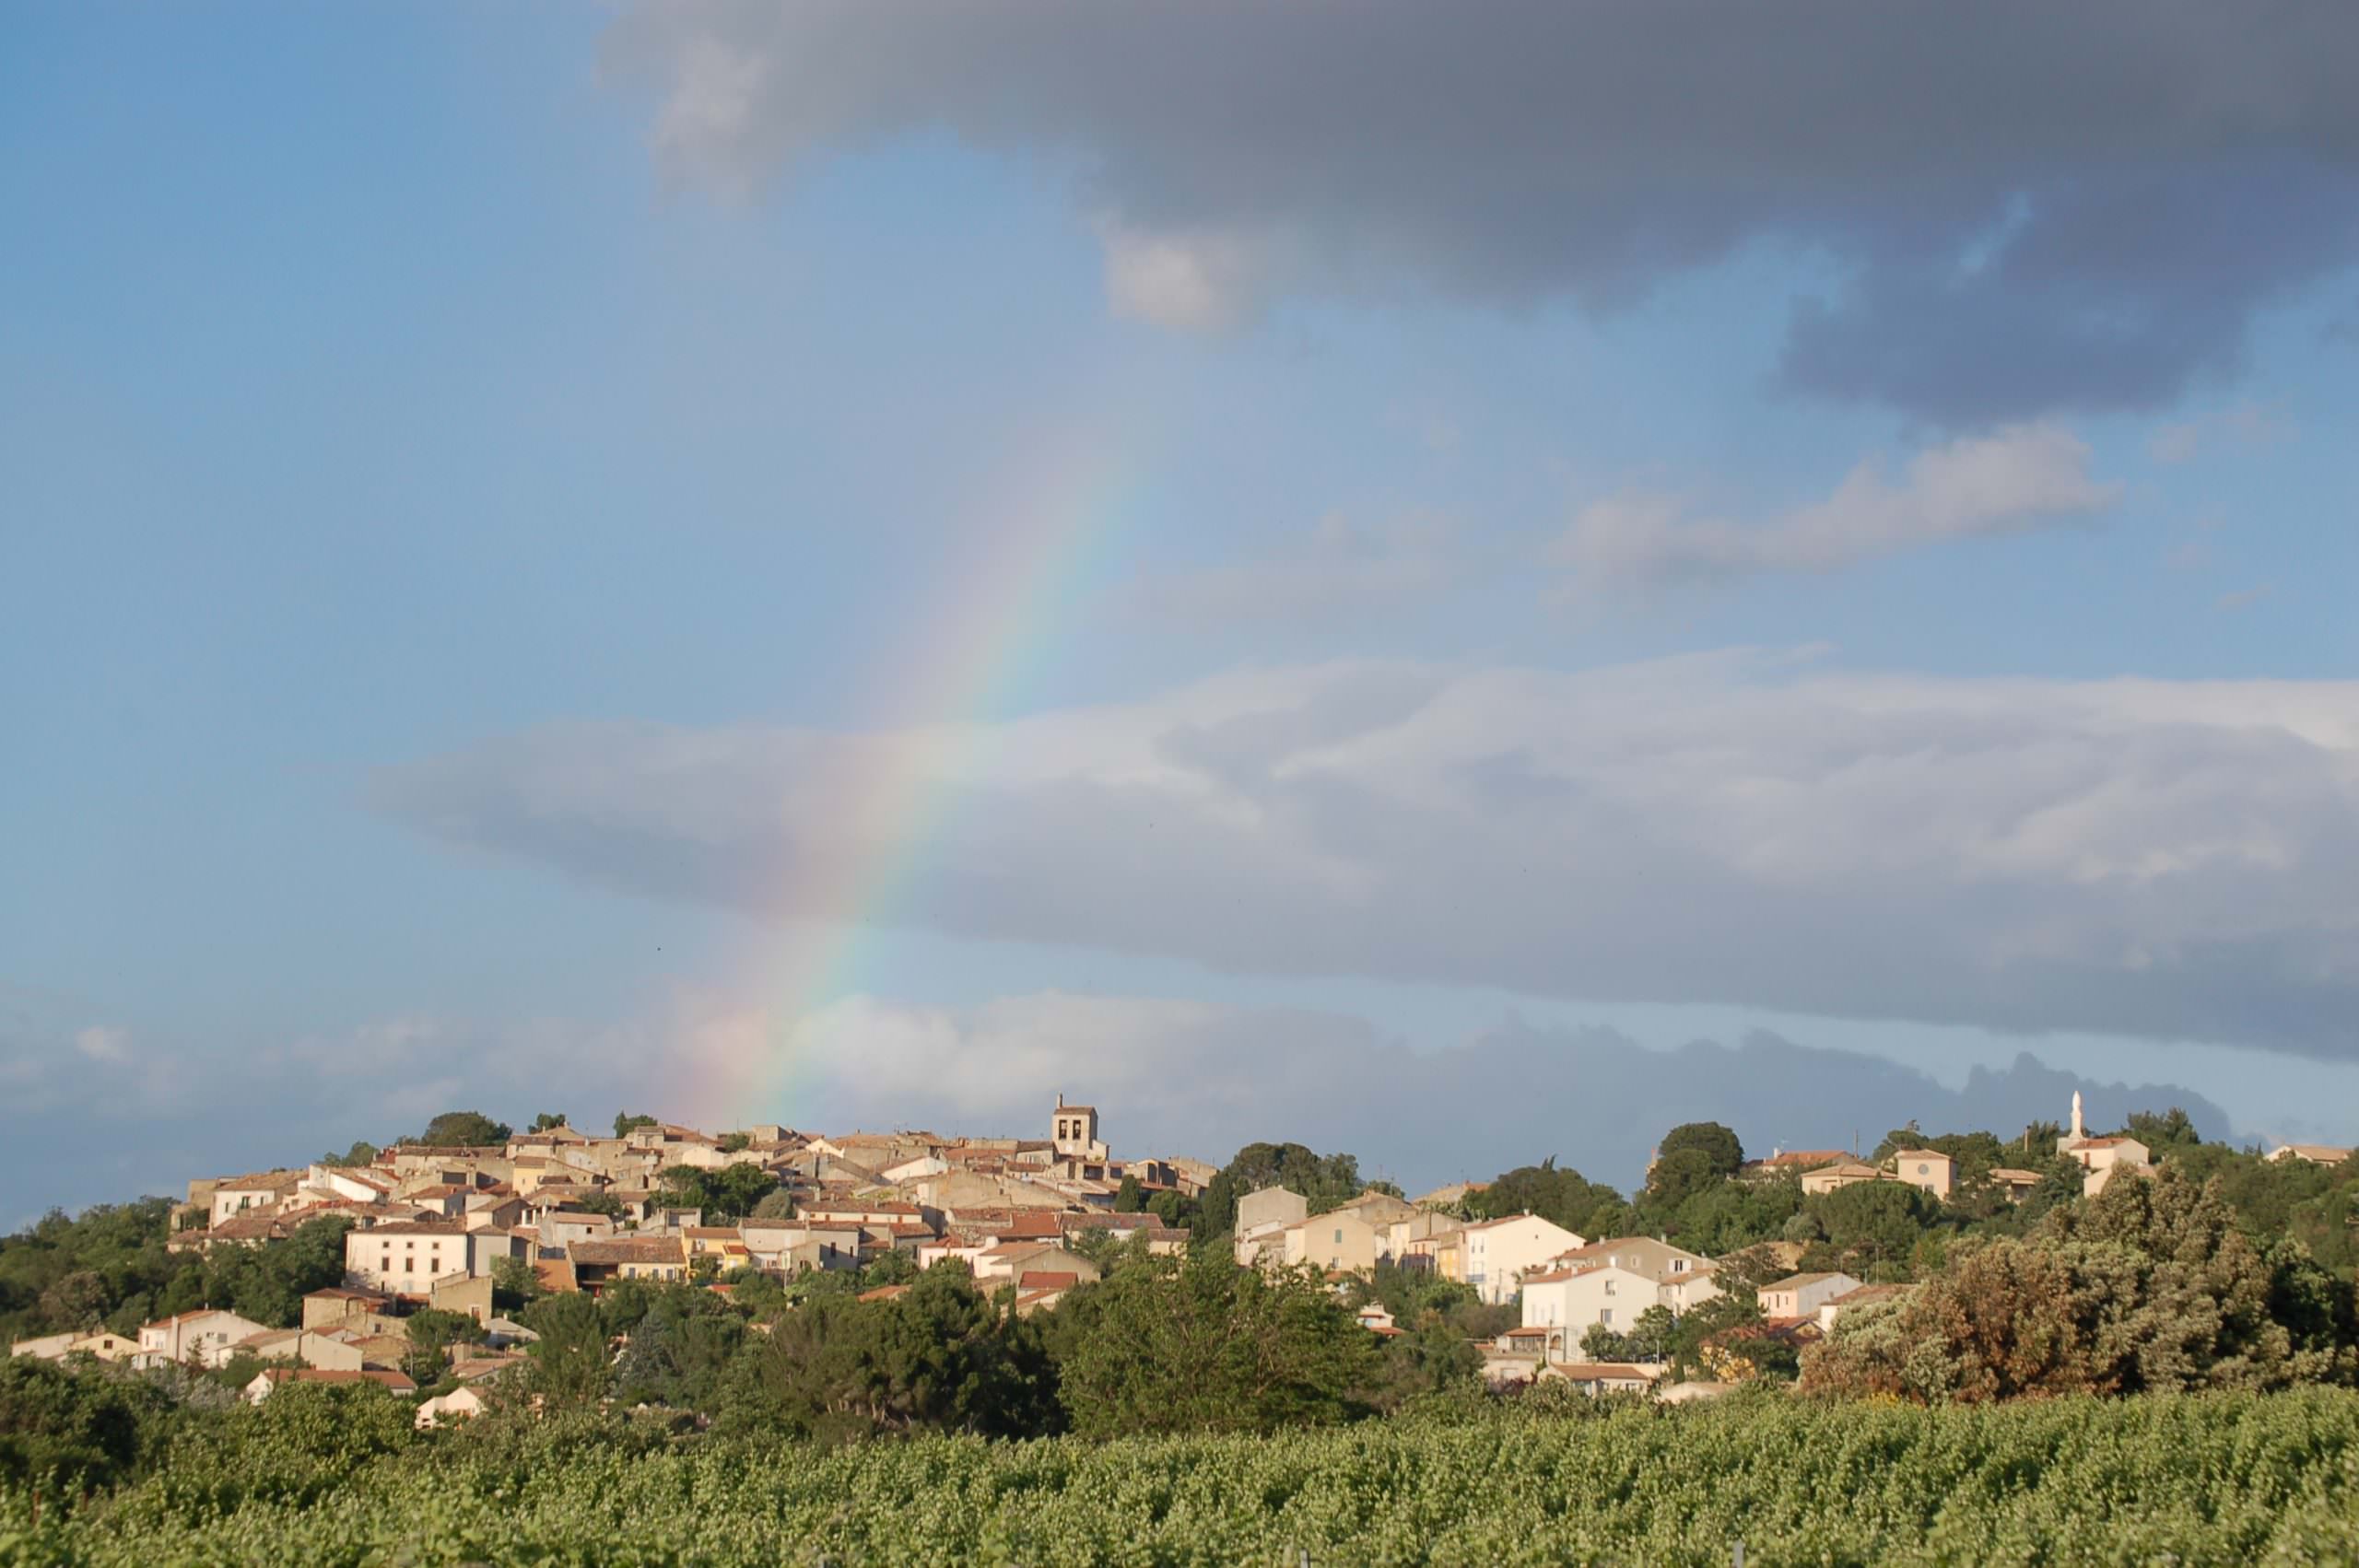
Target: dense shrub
{"type": "Point", "coordinates": [2223, 1478]}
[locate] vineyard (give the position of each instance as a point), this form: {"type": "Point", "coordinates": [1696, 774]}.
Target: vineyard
{"type": "Point", "coordinates": [2224, 1478]}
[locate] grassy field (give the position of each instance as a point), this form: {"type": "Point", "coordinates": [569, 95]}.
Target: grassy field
{"type": "Point", "coordinates": [2194, 1479]}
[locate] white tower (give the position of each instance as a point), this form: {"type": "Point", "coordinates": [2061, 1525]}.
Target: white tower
{"type": "Point", "coordinates": [2078, 1132]}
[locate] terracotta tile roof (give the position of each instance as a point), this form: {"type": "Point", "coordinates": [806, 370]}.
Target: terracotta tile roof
{"type": "Point", "coordinates": [1804, 1157]}
{"type": "Point", "coordinates": [628, 1249]}
{"type": "Point", "coordinates": [1048, 1280]}
{"type": "Point", "coordinates": [399, 1383]}
{"type": "Point", "coordinates": [1796, 1281]}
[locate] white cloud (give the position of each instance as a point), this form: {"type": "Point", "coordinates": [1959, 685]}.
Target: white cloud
{"type": "Point", "coordinates": [101, 1044]}
{"type": "Point", "coordinates": [2014, 481]}
{"type": "Point", "coordinates": [1195, 282]}
{"type": "Point", "coordinates": [2171, 860]}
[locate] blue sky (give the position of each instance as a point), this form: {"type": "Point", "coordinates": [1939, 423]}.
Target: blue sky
{"type": "Point", "coordinates": [469, 477]}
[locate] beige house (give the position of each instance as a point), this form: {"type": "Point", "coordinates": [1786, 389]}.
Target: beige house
{"type": "Point", "coordinates": [46, 1347]}
{"type": "Point", "coordinates": [1801, 1296]}
{"type": "Point", "coordinates": [1611, 1282]}
{"type": "Point", "coordinates": [1410, 1243]}
{"type": "Point", "coordinates": [2017, 1185]}
{"type": "Point", "coordinates": [1842, 1174]}
{"type": "Point", "coordinates": [1603, 1377]}
{"type": "Point", "coordinates": [2316, 1154]}
{"type": "Point", "coordinates": [2101, 1158]}
{"type": "Point", "coordinates": [1448, 1196]}
{"type": "Point", "coordinates": [280, 1376]}
{"type": "Point", "coordinates": [1865, 1295]}
{"type": "Point", "coordinates": [460, 1404]}
{"type": "Point", "coordinates": [1926, 1168]}
{"type": "Point", "coordinates": [266, 1189]}
{"type": "Point", "coordinates": [1262, 1217]}
{"type": "Point", "coordinates": [1340, 1240]}
{"type": "Point", "coordinates": [662, 1258]}
{"type": "Point", "coordinates": [1495, 1254]}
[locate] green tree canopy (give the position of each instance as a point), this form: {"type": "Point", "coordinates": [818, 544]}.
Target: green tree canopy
{"type": "Point", "coordinates": [1324, 1180]}
{"type": "Point", "coordinates": [455, 1129]}
{"type": "Point", "coordinates": [1563, 1196]}
{"type": "Point", "coordinates": [570, 1367]}
{"type": "Point", "coordinates": [1201, 1345]}
{"type": "Point", "coordinates": [1718, 1144]}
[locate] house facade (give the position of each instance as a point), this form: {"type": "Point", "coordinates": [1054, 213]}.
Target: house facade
{"type": "Point", "coordinates": [1495, 1254]}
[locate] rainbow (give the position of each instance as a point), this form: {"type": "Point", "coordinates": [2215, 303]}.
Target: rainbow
{"type": "Point", "coordinates": [888, 796]}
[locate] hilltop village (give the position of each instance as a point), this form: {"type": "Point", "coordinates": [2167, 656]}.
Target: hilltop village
{"type": "Point", "coordinates": [460, 1235]}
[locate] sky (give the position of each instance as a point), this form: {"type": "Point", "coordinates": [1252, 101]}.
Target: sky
{"type": "Point", "coordinates": [1460, 583]}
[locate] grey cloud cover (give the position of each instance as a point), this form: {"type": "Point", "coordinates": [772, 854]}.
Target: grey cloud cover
{"type": "Point", "coordinates": [1172, 1076]}
{"type": "Point", "coordinates": [2161, 859]}
{"type": "Point", "coordinates": [1185, 1078]}
{"type": "Point", "coordinates": [2032, 206]}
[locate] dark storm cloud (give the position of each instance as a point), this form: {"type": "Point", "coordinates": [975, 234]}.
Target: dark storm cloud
{"type": "Point", "coordinates": [2036, 206]}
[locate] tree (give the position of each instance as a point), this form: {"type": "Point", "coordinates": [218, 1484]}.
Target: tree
{"type": "Point", "coordinates": [625, 1121]}
{"type": "Point", "coordinates": [776, 1204]}
{"type": "Point", "coordinates": [680, 1351]}
{"type": "Point", "coordinates": [1716, 1143]}
{"type": "Point", "coordinates": [1201, 1345]}
{"type": "Point", "coordinates": [432, 1332]}
{"type": "Point", "coordinates": [736, 1143]}
{"type": "Point", "coordinates": [514, 1284]}
{"type": "Point", "coordinates": [1873, 1224]}
{"type": "Point", "coordinates": [361, 1153]}
{"type": "Point", "coordinates": [1128, 1200]}
{"type": "Point", "coordinates": [1601, 1343]}
{"type": "Point", "coordinates": [1563, 1196]}
{"type": "Point", "coordinates": [454, 1129]}
{"type": "Point", "coordinates": [1324, 1181]}
{"type": "Point", "coordinates": [1677, 1176]}
{"type": "Point", "coordinates": [58, 1430]}
{"type": "Point", "coordinates": [548, 1122]}
{"type": "Point", "coordinates": [570, 1367]}
{"type": "Point", "coordinates": [937, 1357]}
{"type": "Point", "coordinates": [2162, 1134]}
{"type": "Point", "coordinates": [2149, 1286]}
{"type": "Point", "coordinates": [891, 1267]}
{"type": "Point", "coordinates": [1651, 1333]}
{"type": "Point", "coordinates": [731, 1192]}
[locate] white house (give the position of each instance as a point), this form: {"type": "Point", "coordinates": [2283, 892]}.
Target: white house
{"type": "Point", "coordinates": [2101, 1158]}
{"type": "Point", "coordinates": [1495, 1254]}
{"type": "Point", "coordinates": [408, 1258]}
{"type": "Point", "coordinates": [204, 1336]}
{"type": "Point", "coordinates": [1611, 1282]}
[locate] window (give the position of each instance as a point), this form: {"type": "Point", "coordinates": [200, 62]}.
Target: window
{"type": "Point", "coordinates": [1924, 1170]}
{"type": "Point", "coordinates": [1606, 1317]}
{"type": "Point", "coordinates": [1608, 1287]}
{"type": "Point", "coordinates": [1339, 1236]}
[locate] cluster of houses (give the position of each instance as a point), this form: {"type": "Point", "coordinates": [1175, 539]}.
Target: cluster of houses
{"type": "Point", "coordinates": [434, 1227]}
